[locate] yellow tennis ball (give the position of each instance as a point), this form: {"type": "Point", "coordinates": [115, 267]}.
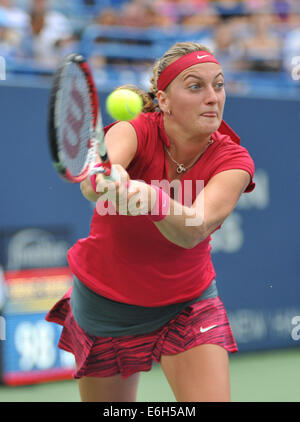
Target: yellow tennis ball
{"type": "Point", "coordinates": [124, 104]}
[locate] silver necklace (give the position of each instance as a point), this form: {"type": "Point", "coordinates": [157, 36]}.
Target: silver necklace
{"type": "Point", "coordinates": [181, 167]}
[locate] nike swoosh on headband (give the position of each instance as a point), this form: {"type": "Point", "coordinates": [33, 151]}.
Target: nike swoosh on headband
{"type": "Point", "coordinates": [202, 57]}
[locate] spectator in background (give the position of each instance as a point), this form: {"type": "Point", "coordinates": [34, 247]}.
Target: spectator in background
{"type": "Point", "coordinates": [262, 49]}
{"type": "Point", "coordinates": [282, 8]}
{"type": "Point", "coordinates": [13, 22]}
{"type": "Point", "coordinates": [227, 47]}
{"type": "Point", "coordinates": [17, 17]}
{"type": "Point", "coordinates": [286, 14]}
{"type": "Point", "coordinates": [108, 16]}
{"type": "Point", "coordinates": [9, 38]}
{"type": "Point", "coordinates": [142, 15]}
{"type": "Point", "coordinates": [49, 35]}
{"type": "Point", "coordinates": [291, 53]}
{"type": "Point", "coordinates": [200, 14]}
{"type": "Point", "coordinates": [227, 9]}
{"type": "Point", "coordinates": [256, 6]}
{"type": "Point", "coordinates": [184, 11]}
{"type": "Point", "coordinates": [172, 10]}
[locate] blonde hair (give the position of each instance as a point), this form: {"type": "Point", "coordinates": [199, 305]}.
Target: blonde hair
{"type": "Point", "coordinates": [175, 52]}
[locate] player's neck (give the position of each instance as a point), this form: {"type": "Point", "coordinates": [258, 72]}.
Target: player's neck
{"type": "Point", "coordinates": [186, 146]}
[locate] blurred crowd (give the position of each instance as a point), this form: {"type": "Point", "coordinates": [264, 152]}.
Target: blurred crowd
{"type": "Point", "coordinates": [34, 32]}
{"type": "Point", "coordinates": [260, 35]}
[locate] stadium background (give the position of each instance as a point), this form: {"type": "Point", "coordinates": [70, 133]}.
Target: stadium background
{"type": "Point", "coordinates": [255, 255]}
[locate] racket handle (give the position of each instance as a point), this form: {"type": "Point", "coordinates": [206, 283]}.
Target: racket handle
{"type": "Point", "coordinates": [96, 170]}
{"type": "Point", "coordinates": [114, 175]}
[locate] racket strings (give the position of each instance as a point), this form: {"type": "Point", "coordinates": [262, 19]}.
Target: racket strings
{"type": "Point", "coordinates": [74, 121]}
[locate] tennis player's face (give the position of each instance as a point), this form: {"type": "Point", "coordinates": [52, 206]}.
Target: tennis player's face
{"type": "Point", "coordinates": [197, 97]}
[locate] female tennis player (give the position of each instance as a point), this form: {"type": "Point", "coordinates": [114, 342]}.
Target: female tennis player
{"type": "Point", "coordinates": [144, 284]}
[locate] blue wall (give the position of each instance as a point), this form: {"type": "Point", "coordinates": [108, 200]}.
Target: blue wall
{"type": "Point", "coordinates": [257, 252]}
{"type": "Point", "coordinates": [259, 279]}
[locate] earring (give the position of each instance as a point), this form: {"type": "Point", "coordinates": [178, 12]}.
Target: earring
{"type": "Point", "coordinates": [169, 112]}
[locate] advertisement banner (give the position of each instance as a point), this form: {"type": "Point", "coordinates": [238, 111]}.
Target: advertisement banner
{"type": "Point", "coordinates": [29, 343]}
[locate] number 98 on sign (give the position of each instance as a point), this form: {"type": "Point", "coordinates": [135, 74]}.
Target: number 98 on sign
{"type": "Point", "coordinates": [30, 353]}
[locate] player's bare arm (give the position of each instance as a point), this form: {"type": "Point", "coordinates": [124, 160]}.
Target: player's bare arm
{"type": "Point", "coordinates": [208, 211]}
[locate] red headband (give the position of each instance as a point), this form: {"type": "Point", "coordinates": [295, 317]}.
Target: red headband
{"type": "Point", "coordinates": [173, 70]}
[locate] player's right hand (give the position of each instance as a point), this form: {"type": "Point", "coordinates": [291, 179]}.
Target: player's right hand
{"type": "Point", "coordinates": [130, 197]}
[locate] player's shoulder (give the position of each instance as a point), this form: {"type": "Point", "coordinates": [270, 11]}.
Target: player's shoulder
{"type": "Point", "coordinates": [150, 118]}
{"type": "Point", "coordinates": [225, 143]}
{"type": "Point", "coordinates": [143, 124]}
{"type": "Point", "coordinates": [147, 126]}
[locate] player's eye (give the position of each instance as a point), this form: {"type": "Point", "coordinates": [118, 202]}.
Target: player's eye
{"type": "Point", "coordinates": [220, 85]}
{"type": "Point", "coordinates": [194, 87]}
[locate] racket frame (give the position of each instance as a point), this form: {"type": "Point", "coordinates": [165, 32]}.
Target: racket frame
{"type": "Point", "coordinates": [96, 143]}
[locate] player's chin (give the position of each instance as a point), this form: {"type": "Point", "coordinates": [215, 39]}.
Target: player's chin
{"type": "Point", "coordinates": [210, 125]}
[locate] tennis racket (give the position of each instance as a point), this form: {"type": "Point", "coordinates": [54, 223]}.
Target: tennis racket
{"type": "Point", "coordinates": [75, 127]}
